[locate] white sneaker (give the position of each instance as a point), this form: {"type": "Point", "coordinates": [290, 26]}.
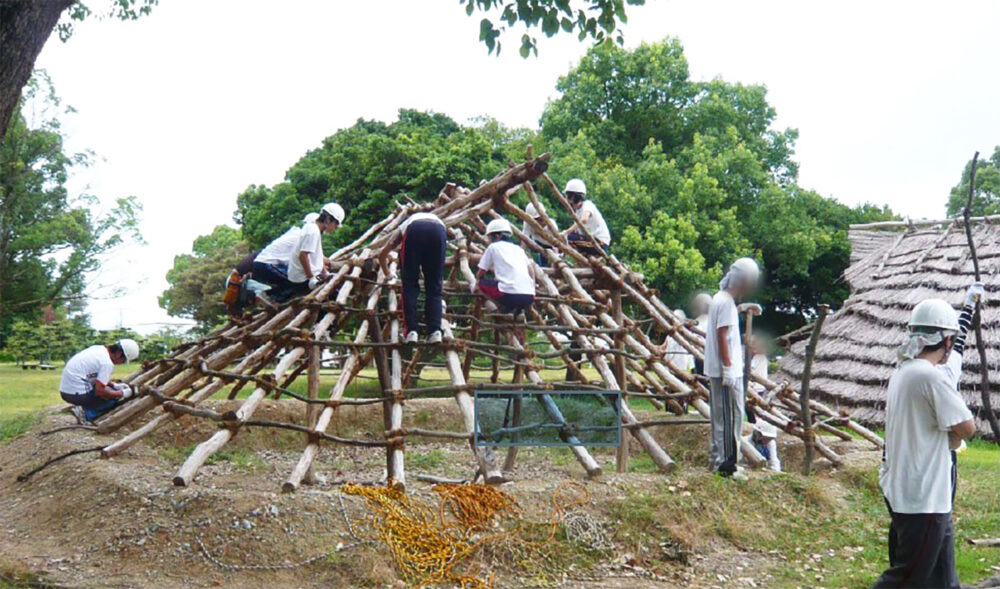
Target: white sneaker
{"type": "Point", "coordinates": [79, 414]}
{"type": "Point", "coordinates": [412, 337]}
{"type": "Point", "coordinates": [435, 337]}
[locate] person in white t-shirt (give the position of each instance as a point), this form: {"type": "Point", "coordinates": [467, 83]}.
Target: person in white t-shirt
{"type": "Point", "coordinates": [270, 266]}
{"type": "Point", "coordinates": [423, 245]}
{"type": "Point", "coordinates": [677, 354]}
{"type": "Point", "coordinates": [724, 364]}
{"type": "Point", "coordinates": [924, 418]}
{"type": "Point", "coordinates": [307, 264]}
{"type": "Point", "coordinates": [700, 304]}
{"type": "Point", "coordinates": [513, 285]}
{"type": "Point", "coordinates": [591, 219]}
{"type": "Point", "coordinates": [536, 213]}
{"type": "Point", "coordinates": [86, 379]}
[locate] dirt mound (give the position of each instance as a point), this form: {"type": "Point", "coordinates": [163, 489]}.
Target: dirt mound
{"type": "Point", "coordinates": [90, 522]}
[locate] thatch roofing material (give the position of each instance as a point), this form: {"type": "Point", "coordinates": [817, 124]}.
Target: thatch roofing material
{"type": "Point", "coordinates": [892, 269]}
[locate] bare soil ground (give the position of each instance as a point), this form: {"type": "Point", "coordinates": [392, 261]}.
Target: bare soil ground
{"type": "Point", "coordinates": [89, 522]}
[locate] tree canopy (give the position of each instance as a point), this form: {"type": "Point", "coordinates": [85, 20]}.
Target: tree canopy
{"type": "Point", "coordinates": [986, 198]}
{"type": "Point", "coordinates": [197, 280]}
{"type": "Point", "coordinates": [594, 19]}
{"type": "Point", "coordinates": [50, 240]}
{"type": "Point", "coordinates": [689, 176]}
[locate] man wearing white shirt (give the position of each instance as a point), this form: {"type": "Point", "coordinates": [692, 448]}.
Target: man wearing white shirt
{"type": "Point", "coordinates": [513, 286]}
{"type": "Point", "coordinates": [307, 263]}
{"type": "Point", "coordinates": [529, 231]}
{"type": "Point", "coordinates": [924, 418]}
{"type": "Point", "coordinates": [724, 365]}
{"type": "Point", "coordinates": [590, 218]}
{"type": "Point", "coordinates": [86, 379]}
{"type": "Point", "coordinates": [270, 266]}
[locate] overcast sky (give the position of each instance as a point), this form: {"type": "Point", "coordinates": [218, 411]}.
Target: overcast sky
{"type": "Point", "coordinates": [188, 106]}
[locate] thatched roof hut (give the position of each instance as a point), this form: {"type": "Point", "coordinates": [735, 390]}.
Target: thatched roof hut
{"type": "Point", "coordinates": [895, 266]}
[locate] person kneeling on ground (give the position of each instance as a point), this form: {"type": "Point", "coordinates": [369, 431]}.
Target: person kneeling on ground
{"type": "Point", "coordinates": [513, 286]}
{"type": "Point", "coordinates": [724, 365]}
{"type": "Point", "coordinates": [423, 247]}
{"type": "Point", "coordinates": [924, 419]}
{"type": "Point", "coordinates": [86, 379]}
{"type": "Point", "coordinates": [764, 438]}
{"type": "Point", "coordinates": [591, 219]}
{"type": "Point", "coordinates": [307, 264]}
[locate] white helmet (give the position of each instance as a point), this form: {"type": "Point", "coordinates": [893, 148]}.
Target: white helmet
{"type": "Point", "coordinates": [702, 299]}
{"type": "Point", "coordinates": [129, 348]}
{"type": "Point", "coordinates": [747, 268]}
{"type": "Point", "coordinates": [499, 226]}
{"type": "Point", "coordinates": [310, 218]}
{"type": "Point", "coordinates": [534, 212]}
{"type": "Point", "coordinates": [765, 429]}
{"type": "Point", "coordinates": [336, 211]}
{"type": "Point", "coordinates": [934, 314]}
{"type": "Point", "coordinates": [680, 314]}
{"type": "Point", "coordinates": [576, 185]}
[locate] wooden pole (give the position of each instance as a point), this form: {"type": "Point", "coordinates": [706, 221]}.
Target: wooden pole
{"type": "Point", "coordinates": [984, 368]}
{"type": "Point", "coordinates": [805, 410]}
{"type": "Point", "coordinates": [621, 454]}
{"type": "Point", "coordinates": [312, 391]}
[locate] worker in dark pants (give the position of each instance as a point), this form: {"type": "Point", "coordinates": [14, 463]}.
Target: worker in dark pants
{"type": "Point", "coordinates": [424, 240]}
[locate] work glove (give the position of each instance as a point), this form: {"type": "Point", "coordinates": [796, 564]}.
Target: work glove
{"type": "Point", "coordinates": [975, 293]}
{"type": "Point", "coordinates": [750, 307]}
{"type": "Point", "coordinates": [473, 287]}
{"type": "Point", "coordinates": [313, 282]}
{"type": "Point", "coordinates": [730, 376]}
{"type": "Point", "coordinates": [125, 390]}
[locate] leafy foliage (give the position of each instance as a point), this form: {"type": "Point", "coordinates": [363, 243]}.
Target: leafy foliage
{"type": "Point", "coordinates": [117, 9]}
{"type": "Point", "coordinates": [596, 19]}
{"type": "Point", "coordinates": [369, 166]}
{"type": "Point", "coordinates": [49, 240]}
{"type": "Point", "coordinates": [689, 176]}
{"type": "Point", "coordinates": [986, 199]}
{"type": "Point", "coordinates": [197, 280]}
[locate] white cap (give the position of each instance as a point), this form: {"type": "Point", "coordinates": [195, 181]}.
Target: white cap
{"type": "Point", "coordinates": [765, 429]}
{"type": "Point", "coordinates": [748, 268]}
{"type": "Point", "coordinates": [499, 226]}
{"type": "Point", "coordinates": [129, 348]}
{"type": "Point", "coordinates": [680, 314]}
{"type": "Point", "coordinates": [532, 211]}
{"type": "Point", "coordinates": [576, 185]}
{"type": "Point", "coordinates": [702, 299]}
{"type": "Point", "coordinates": [334, 210]}
{"type": "Point", "coordinates": [310, 218]}
{"type": "Point", "coordinates": [934, 313]}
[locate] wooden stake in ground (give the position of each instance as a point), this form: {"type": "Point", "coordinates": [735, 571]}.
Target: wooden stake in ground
{"type": "Point", "coordinates": [984, 371]}
{"type": "Point", "coordinates": [806, 410]}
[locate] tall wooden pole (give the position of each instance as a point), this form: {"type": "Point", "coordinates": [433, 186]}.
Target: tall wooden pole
{"type": "Point", "coordinates": [984, 369]}
{"type": "Point", "coordinates": [621, 455]}
{"type": "Point", "coordinates": [806, 411]}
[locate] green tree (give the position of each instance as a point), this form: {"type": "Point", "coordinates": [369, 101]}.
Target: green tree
{"type": "Point", "coordinates": [49, 240]}
{"type": "Point", "coordinates": [596, 19]}
{"type": "Point", "coordinates": [197, 281]}
{"type": "Point", "coordinates": [986, 199]}
{"type": "Point", "coordinates": [370, 166]}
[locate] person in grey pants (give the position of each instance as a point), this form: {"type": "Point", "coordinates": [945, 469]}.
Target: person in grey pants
{"type": "Point", "coordinates": [724, 363]}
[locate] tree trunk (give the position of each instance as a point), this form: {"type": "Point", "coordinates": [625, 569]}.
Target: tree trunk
{"type": "Point", "coordinates": [25, 25]}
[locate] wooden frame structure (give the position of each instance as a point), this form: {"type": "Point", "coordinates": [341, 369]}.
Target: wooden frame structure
{"type": "Point", "coordinates": [606, 311]}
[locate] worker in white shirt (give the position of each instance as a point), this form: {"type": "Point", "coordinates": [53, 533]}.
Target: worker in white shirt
{"type": "Point", "coordinates": [924, 418]}
{"type": "Point", "coordinates": [271, 264]}
{"type": "Point", "coordinates": [513, 285]}
{"type": "Point", "coordinates": [86, 379]}
{"type": "Point", "coordinates": [591, 219]}
{"type": "Point", "coordinates": [529, 231]}
{"type": "Point", "coordinates": [424, 242]}
{"type": "Point", "coordinates": [724, 365]}
{"type": "Point", "coordinates": [764, 438]}
{"type": "Point", "coordinates": [677, 354]}
{"type": "Point", "coordinates": [700, 304]}
{"type": "Point", "coordinates": [307, 264]}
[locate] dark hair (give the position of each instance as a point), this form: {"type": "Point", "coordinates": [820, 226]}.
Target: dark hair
{"type": "Point", "coordinates": [116, 348]}
{"type": "Point", "coordinates": [572, 195]}
{"type": "Point", "coordinates": [937, 346]}
{"type": "Point", "coordinates": [325, 217]}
